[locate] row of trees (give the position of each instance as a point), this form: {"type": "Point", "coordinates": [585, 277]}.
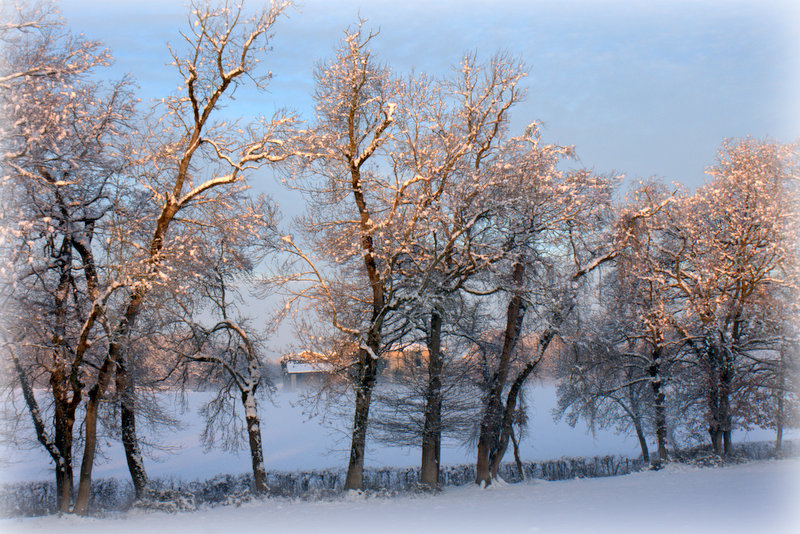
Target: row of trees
{"type": "Point", "coordinates": [128, 235]}
{"type": "Point", "coordinates": [698, 315]}
{"type": "Point", "coordinates": [113, 221]}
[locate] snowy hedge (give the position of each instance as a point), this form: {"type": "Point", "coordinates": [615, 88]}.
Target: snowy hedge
{"type": "Point", "coordinates": [108, 495]}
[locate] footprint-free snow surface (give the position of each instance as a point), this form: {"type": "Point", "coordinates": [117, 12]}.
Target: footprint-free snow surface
{"type": "Point", "coordinates": [757, 497]}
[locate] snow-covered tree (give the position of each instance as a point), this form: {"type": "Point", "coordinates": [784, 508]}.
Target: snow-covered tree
{"type": "Point", "coordinates": [63, 171]}
{"type": "Point", "coordinates": [734, 244]}
{"type": "Point", "coordinates": [632, 344]}
{"type": "Point", "coordinates": [553, 221]}
{"type": "Point", "coordinates": [450, 134]}
{"type": "Point", "coordinates": [188, 166]}
{"type": "Point", "coordinates": [352, 211]}
{"type": "Point", "coordinates": [395, 168]}
{"type": "Point", "coordinates": [230, 349]}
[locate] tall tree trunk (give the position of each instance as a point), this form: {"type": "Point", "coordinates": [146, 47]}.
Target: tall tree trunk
{"type": "Point", "coordinates": [130, 441]}
{"type": "Point", "coordinates": [368, 356]}
{"type": "Point", "coordinates": [779, 416]}
{"type": "Point", "coordinates": [90, 432]}
{"type": "Point", "coordinates": [64, 422]}
{"type": "Point", "coordinates": [659, 407]}
{"type": "Point", "coordinates": [98, 391]}
{"type": "Point", "coordinates": [517, 458]}
{"type": "Point", "coordinates": [726, 423]}
{"type": "Point", "coordinates": [432, 431]}
{"type": "Point", "coordinates": [713, 398]}
{"type": "Point", "coordinates": [498, 451]}
{"type": "Point", "coordinates": [637, 425]}
{"type": "Point", "coordinates": [368, 367]}
{"type": "Point", "coordinates": [491, 424]}
{"type": "Point", "coordinates": [59, 448]}
{"type": "Point", "coordinates": [89, 449]}
{"type": "Point", "coordinates": [510, 408]}
{"type": "Point", "coordinates": [254, 435]}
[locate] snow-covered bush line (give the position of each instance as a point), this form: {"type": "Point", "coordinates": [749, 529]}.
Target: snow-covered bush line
{"type": "Point", "coordinates": [39, 498]}
{"type": "Point", "coordinates": [109, 495]}
{"type": "Point", "coordinates": [703, 455]}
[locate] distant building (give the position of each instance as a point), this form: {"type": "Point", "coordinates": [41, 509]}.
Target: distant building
{"type": "Point", "coordinates": [402, 362]}
{"type": "Point", "coordinates": [304, 369]}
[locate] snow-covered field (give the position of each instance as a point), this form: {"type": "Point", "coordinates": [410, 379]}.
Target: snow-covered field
{"type": "Point", "coordinates": [295, 440]}
{"type": "Point", "coordinates": [758, 497]}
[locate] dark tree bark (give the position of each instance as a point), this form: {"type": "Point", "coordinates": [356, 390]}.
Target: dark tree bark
{"type": "Point", "coordinates": [510, 409]}
{"type": "Point", "coordinates": [719, 401]}
{"type": "Point", "coordinates": [90, 441]}
{"type": "Point", "coordinates": [130, 441]}
{"type": "Point", "coordinates": [64, 423]}
{"type": "Point", "coordinates": [60, 447]}
{"type": "Point", "coordinates": [432, 431]}
{"type": "Point", "coordinates": [637, 426]}
{"type": "Point", "coordinates": [712, 395]}
{"type": "Point", "coordinates": [659, 407]}
{"type": "Point", "coordinates": [779, 416]}
{"type": "Point", "coordinates": [497, 453]}
{"type": "Point", "coordinates": [368, 368]}
{"type": "Point", "coordinates": [491, 424]}
{"type": "Point", "coordinates": [517, 459]}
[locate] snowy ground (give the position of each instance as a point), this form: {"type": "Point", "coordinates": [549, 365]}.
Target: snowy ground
{"type": "Point", "coordinates": [293, 441]}
{"type": "Point", "coordinates": [758, 497]}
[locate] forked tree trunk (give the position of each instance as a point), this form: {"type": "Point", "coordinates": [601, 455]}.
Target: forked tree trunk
{"type": "Point", "coordinates": [432, 431]}
{"type": "Point", "coordinates": [368, 367]}
{"type": "Point", "coordinates": [491, 424]}
{"type": "Point", "coordinates": [510, 409]}
{"type": "Point", "coordinates": [130, 441]}
{"type": "Point", "coordinates": [89, 449]}
{"type": "Point", "coordinates": [90, 431]}
{"type": "Point", "coordinates": [509, 414]}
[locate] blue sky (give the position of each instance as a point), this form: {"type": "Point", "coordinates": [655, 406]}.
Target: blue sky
{"type": "Point", "coordinates": [642, 88]}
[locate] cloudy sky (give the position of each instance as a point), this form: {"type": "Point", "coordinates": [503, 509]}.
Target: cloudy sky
{"type": "Point", "coordinates": [646, 88]}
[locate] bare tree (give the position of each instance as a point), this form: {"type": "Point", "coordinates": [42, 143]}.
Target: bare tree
{"type": "Point", "coordinates": [408, 153]}
{"type": "Point", "coordinates": [63, 165]}
{"type": "Point", "coordinates": [733, 242]}
{"type": "Point", "coordinates": [220, 50]}
{"type": "Point", "coordinates": [600, 385]}
{"type": "Point", "coordinates": [450, 134]}
{"type": "Point", "coordinates": [230, 348]}
{"type": "Point", "coordinates": [554, 220]}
